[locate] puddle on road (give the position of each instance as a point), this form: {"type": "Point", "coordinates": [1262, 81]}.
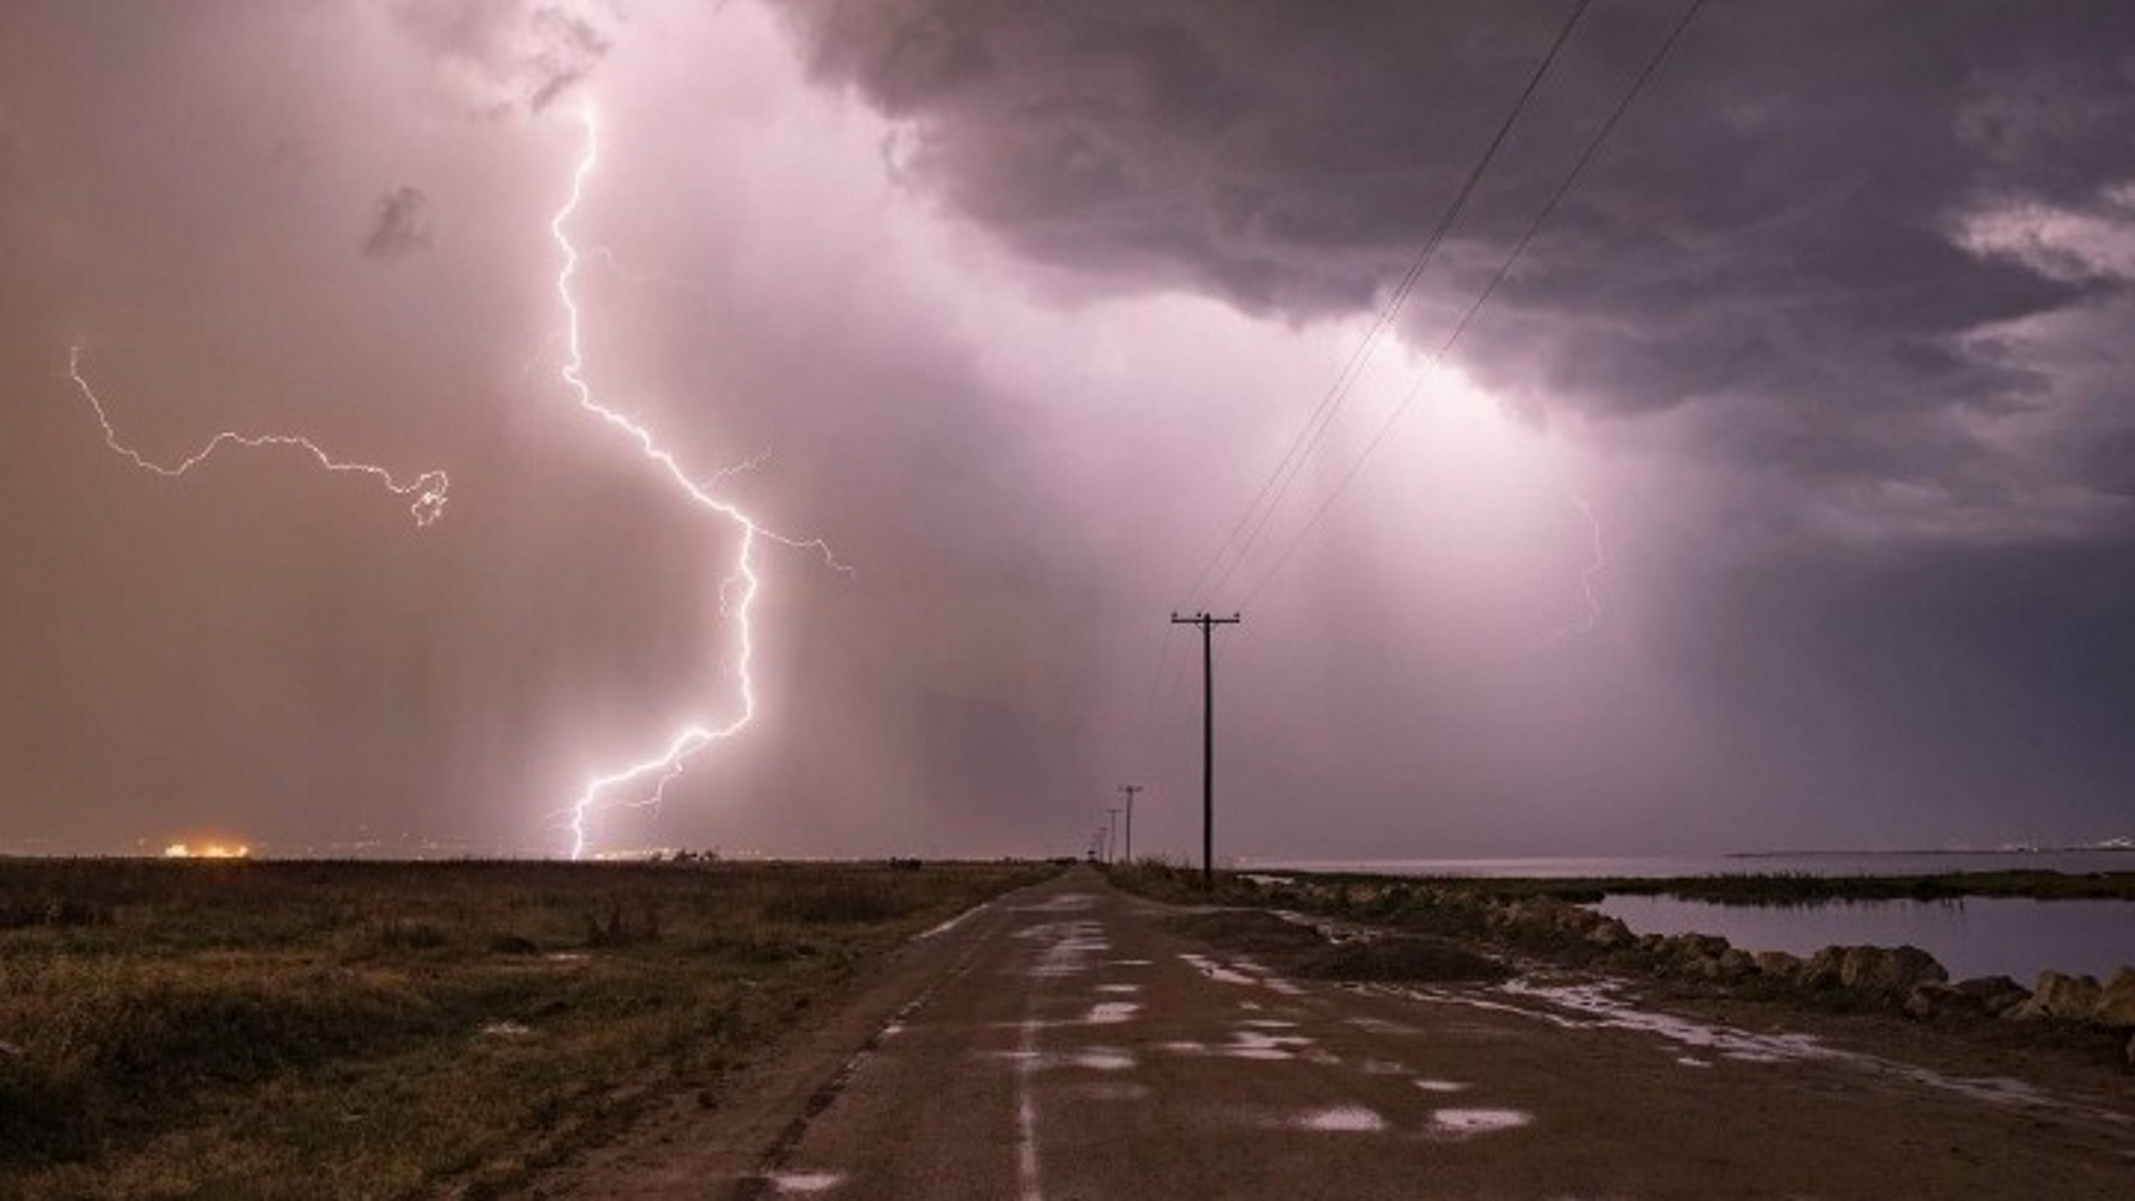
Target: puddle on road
{"type": "Point", "coordinates": [1246, 1043]}
{"type": "Point", "coordinates": [1108, 1090]}
{"type": "Point", "coordinates": [1119, 988]}
{"type": "Point", "coordinates": [1348, 1119]}
{"type": "Point", "coordinates": [1066, 902]}
{"type": "Point", "coordinates": [1098, 1059]}
{"type": "Point", "coordinates": [1440, 1086]}
{"type": "Point", "coordinates": [1215, 971]}
{"type": "Point", "coordinates": [1070, 947]}
{"type": "Point", "coordinates": [804, 1182]}
{"type": "Point", "coordinates": [1382, 1067]}
{"type": "Point", "coordinates": [1594, 1006]}
{"type": "Point", "coordinates": [951, 924]}
{"type": "Point", "coordinates": [1462, 1122]}
{"type": "Point", "coordinates": [1107, 1013]}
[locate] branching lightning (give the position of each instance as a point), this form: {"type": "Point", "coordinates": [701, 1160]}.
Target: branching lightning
{"type": "Point", "coordinates": [637, 784]}
{"type": "Point", "coordinates": [737, 592]}
{"type": "Point", "coordinates": [425, 494]}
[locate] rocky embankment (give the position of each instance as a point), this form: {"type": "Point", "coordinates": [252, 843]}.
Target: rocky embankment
{"type": "Point", "coordinates": [1902, 979]}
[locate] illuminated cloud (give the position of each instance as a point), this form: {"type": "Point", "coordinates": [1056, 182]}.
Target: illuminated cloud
{"type": "Point", "coordinates": [1024, 302]}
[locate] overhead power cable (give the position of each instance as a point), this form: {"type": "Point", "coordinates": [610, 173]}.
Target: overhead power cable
{"type": "Point", "coordinates": [1482, 298]}
{"type": "Point", "coordinates": [1254, 520]}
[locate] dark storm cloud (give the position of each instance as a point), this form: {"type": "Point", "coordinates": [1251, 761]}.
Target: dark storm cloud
{"type": "Point", "coordinates": [402, 226]}
{"type": "Point", "coordinates": [1773, 238]}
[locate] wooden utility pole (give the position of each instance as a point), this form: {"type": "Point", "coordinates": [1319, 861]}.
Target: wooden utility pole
{"type": "Point", "coordinates": [1208, 736]}
{"type": "Point", "coordinates": [1111, 834]}
{"type": "Point", "coordinates": [1130, 790]}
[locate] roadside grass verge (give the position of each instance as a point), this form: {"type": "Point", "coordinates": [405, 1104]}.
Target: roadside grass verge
{"type": "Point", "coordinates": [379, 1029]}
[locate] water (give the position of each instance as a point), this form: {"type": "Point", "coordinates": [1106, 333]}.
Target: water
{"type": "Point", "coordinates": [1977, 936]}
{"type": "Point", "coordinates": [1805, 863]}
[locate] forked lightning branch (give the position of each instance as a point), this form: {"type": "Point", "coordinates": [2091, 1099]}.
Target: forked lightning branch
{"type": "Point", "coordinates": [643, 782]}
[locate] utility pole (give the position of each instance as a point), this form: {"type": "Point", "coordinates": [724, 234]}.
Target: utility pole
{"type": "Point", "coordinates": [1111, 834]}
{"type": "Point", "coordinates": [1130, 790]}
{"type": "Point", "coordinates": [1208, 737]}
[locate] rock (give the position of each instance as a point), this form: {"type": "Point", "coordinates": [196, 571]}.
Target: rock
{"type": "Point", "coordinates": [1693, 947]}
{"type": "Point", "coordinates": [1888, 973]}
{"type": "Point", "coordinates": [2116, 1005]}
{"type": "Point", "coordinates": [1927, 1001]}
{"type": "Point", "coordinates": [1822, 969]}
{"type": "Point", "coordinates": [1992, 995]}
{"type": "Point", "coordinates": [1736, 963]}
{"type": "Point", "coordinates": [1609, 932]}
{"type": "Point", "coordinates": [1778, 964]}
{"type": "Point", "coordinates": [2062, 997]}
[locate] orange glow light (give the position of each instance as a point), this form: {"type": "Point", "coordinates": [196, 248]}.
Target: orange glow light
{"type": "Point", "coordinates": [207, 850]}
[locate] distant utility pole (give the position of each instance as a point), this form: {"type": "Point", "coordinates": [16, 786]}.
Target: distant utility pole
{"type": "Point", "coordinates": [1208, 736]}
{"type": "Point", "coordinates": [1130, 790]}
{"type": "Point", "coordinates": [1111, 834]}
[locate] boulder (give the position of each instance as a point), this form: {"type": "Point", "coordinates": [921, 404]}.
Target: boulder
{"type": "Point", "coordinates": [1610, 933]}
{"type": "Point", "coordinates": [1932, 1000]}
{"type": "Point", "coordinates": [1778, 964]}
{"type": "Point", "coordinates": [2060, 996]}
{"type": "Point", "coordinates": [1736, 963]}
{"type": "Point", "coordinates": [1888, 972]}
{"type": "Point", "coordinates": [1822, 969]}
{"type": "Point", "coordinates": [1992, 995]}
{"type": "Point", "coordinates": [2116, 1004]}
{"type": "Point", "coordinates": [1692, 947]}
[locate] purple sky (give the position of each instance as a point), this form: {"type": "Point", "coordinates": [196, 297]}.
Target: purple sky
{"type": "Point", "coordinates": [1826, 351]}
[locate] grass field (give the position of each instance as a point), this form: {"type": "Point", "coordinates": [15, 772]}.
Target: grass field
{"type": "Point", "coordinates": [380, 1029]}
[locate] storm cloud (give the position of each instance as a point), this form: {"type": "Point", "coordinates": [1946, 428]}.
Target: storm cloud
{"type": "Point", "coordinates": [1780, 497]}
{"type": "Point", "coordinates": [1826, 239]}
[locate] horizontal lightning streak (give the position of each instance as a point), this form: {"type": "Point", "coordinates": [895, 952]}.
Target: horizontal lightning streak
{"type": "Point", "coordinates": [428, 490]}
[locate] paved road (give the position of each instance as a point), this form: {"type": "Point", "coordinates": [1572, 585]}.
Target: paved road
{"type": "Point", "coordinates": [1061, 1044]}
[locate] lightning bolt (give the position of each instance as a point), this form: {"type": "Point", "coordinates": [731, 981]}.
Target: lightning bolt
{"type": "Point", "coordinates": [644, 782]}
{"type": "Point", "coordinates": [426, 493]}
{"type": "Point", "coordinates": [737, 592]}
{"type": "Point", "coordinates": [1595, 565]}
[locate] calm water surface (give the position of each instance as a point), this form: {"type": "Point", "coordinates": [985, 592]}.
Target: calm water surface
{"type": "Point", "coordinates": [1821, 863]}
{"type": "Point", "coordinates": [1978, 936]}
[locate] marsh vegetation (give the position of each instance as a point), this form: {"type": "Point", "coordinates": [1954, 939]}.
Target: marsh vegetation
{"type": "Point", "coordinates": [376, 1029]}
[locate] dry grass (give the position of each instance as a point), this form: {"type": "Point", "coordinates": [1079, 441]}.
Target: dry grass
{"type": "Point", "coordinates": [372, 1030]}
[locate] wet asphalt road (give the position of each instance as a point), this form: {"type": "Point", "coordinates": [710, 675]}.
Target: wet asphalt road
{"type": "Point", "coordinates": [1061, 1044]}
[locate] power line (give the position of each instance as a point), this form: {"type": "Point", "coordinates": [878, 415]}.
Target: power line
{"type": "Point", "coordinates": [1519, 248]}
{"type": "Point", "coordinates": [1253, 522]}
